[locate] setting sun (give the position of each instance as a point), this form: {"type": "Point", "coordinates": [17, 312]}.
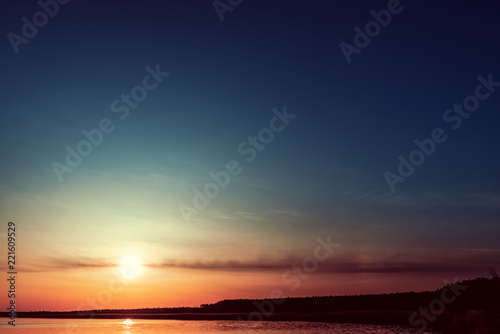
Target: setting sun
{"type": "Point", "coordinates": [131, 266]}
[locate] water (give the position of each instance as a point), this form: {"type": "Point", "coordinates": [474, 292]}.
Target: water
{"type": "Point", "coordinates": [126, 326]}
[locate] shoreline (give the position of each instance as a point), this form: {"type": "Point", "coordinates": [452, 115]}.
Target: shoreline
{"type": "Point", "coordinates": [447, 322]}
{"type": "Point", "coordinates": [393, 317]}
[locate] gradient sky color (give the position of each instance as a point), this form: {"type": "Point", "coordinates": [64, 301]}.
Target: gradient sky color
{"type": "Point", "coordinates": [322, 175]}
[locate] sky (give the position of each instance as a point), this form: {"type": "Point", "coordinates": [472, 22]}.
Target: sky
{"type": "Point", "coordinates": [317, 131]}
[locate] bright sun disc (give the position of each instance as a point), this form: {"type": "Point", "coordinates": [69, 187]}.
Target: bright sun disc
{"type": "Point", "coordinates": [131, 266]}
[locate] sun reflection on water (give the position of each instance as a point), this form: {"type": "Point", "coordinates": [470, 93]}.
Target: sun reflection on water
{"type": "Point", "coordinates": [127, 322]}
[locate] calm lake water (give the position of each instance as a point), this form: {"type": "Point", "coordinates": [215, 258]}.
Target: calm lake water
{"type": "Point", "coordinates": [101, 326]}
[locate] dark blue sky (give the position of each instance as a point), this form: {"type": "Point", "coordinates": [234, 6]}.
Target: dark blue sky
{"type": "Point", "coordinates": [324, 172]}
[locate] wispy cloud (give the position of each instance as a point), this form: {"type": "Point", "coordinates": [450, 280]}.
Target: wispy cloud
{"type": "Point", "coordinates": [341, 267]}
{"type": "Point", "coordinates": [469, 261]}
{"type": "Point", "coordinates": [428, 197]}
{"type": "Point", "coordinates": [63, 264]}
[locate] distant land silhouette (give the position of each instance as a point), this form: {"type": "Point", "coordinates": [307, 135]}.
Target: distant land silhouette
{"type": "Point", "coordinates": [471, 306]}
